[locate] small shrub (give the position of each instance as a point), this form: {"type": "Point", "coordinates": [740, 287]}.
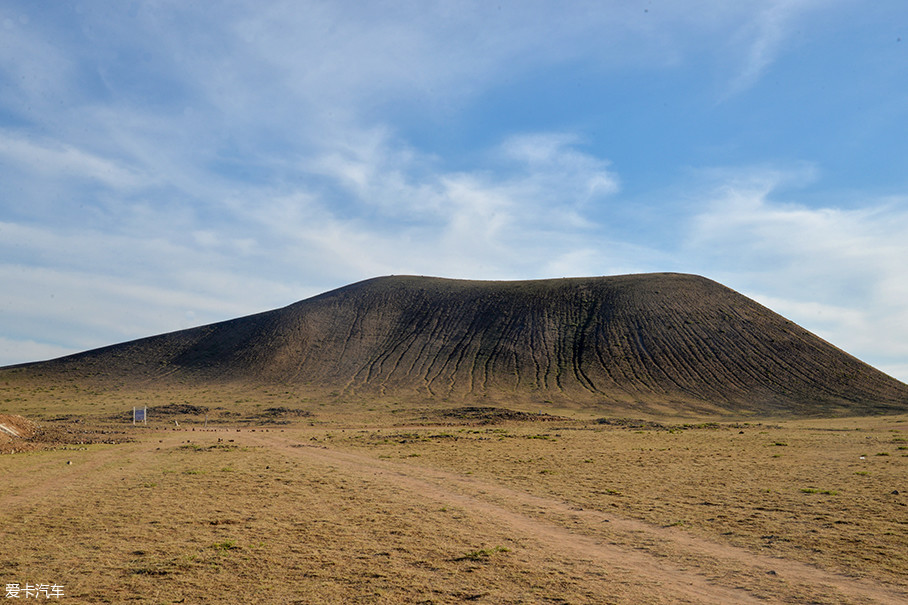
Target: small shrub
{"type": "Point", "coordinates": [482, 554]}
{"type": "Point", "coordinates": [609, 492]}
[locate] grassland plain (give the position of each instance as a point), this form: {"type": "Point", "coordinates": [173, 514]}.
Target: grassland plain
{"type": "Point", "coordinates": [292, 499]}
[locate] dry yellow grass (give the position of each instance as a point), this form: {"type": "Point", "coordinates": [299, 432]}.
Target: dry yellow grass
{"type": "Point", "coordinates": [395, 505]}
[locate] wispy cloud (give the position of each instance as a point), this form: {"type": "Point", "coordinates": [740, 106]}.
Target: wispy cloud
{"type": "Point", "coordinates": [24, 350]}
{"type": "Point", "coordinates": [407, 214]}
{"type": "Point", "coordinates": [837, 270]}
{"type": "Point", "coordinates": [59, 161]}
{"type": "Point", "coordinates": [365, 209]}
{"type": "Point", "coordinates": [756, 34]}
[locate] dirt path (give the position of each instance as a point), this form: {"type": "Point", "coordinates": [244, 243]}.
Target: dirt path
{"type": "Point", "coordinates": [669, 561]}
{"type": "Point", "coordinates": [656, 564]}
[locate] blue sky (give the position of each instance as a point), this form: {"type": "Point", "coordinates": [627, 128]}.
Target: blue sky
{"type": "Point", "coordinates": [166, 164]}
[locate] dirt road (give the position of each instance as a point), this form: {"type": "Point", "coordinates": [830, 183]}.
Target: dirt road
{"type": "Point", "coordinates": [664, 561]}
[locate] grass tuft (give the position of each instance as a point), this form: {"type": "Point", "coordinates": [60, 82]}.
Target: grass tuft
{"type": "Point", "coordinates": [225, 545]}
{"type": "Point", "coordinates": [482, 554]}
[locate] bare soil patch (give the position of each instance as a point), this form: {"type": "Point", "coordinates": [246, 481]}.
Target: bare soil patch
{"type": "Point", "coordinates": [19, 434]}
{"type": "Point", "coordinates": [13, 426]}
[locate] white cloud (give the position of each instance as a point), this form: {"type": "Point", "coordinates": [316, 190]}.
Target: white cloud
{"type": "Point", "coordinates": [760, 40]}
{"type": "Point", "coordinates": [839, 272]}
{"type": "Point", "coordinates": [746, 38]}
{"type": "Point", "coordinates": [269, 70]}
{"type": "Point", "coordinates": [101, 304]}
{"type": "Point", "coordinates": [553, 162]}
{"type": "Point", "coordinates": [52, 159]}
{"type": "Point", "coordinates": [78, 288]}
{"type": "Point", "coordinates": [149, 270]}
{"type": "Point", "coordinates": [18, 351]}
{"type": "Point", "coordinates": [380, 206]}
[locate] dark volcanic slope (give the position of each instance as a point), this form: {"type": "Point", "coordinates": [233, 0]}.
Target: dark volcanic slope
{"type": "Point", "coordinates": [661, 340]}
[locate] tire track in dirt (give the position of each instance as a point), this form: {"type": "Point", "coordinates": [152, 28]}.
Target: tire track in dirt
{"type": "Point", "coordinates": [557, 540]}
{"type": "Point", "coordinates": [676, 562]}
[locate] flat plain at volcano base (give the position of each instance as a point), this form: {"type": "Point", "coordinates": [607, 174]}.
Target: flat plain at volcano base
{"type": "Point", "coordinates": [433, 505]}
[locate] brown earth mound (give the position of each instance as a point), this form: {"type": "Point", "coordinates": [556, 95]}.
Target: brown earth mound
{"type": "Point", "coordinates": [490, 415]}
{"type": "Point", "coordinates": [16, 427]}
{"type": "Point", "coordinates": [655, 343]}
{"type": "Point", "coordinates": [19, 434]}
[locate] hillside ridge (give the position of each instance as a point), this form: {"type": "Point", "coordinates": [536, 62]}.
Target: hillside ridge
{"type": "Point", "coordinates": [668, 341]}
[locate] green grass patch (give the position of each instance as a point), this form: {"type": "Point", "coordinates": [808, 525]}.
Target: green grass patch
{"type": "Point", "coordinates": [225, 545]}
